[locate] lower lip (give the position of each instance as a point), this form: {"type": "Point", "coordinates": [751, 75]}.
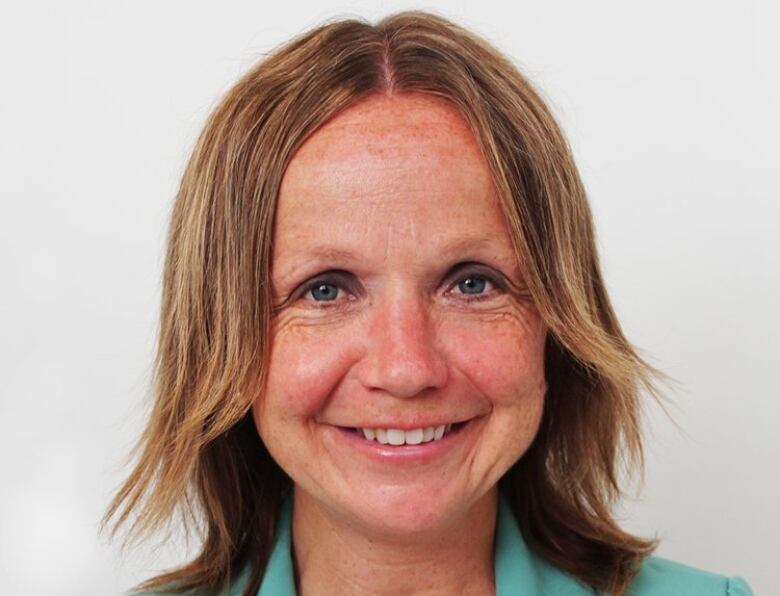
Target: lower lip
{"type": "Point", "coordinates": [405, 454]}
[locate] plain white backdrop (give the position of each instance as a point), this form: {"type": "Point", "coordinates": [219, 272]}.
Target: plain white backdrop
{"type": "Point", "coordinates": [671, 109]}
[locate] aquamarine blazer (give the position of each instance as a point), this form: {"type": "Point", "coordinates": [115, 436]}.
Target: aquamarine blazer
{"type": "Point", "coordinates": [519, 572]}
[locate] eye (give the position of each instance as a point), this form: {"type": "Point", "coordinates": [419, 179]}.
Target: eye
{"type": "Point", "coordinates": [337, 288]}
{"type": "Point", "coordinates": [472, 285]}
{"type": "Point", "coordinates": [324, 291]}
{"type": "Point", "coordinates": [328, 289]}
{"type": "Point", "coordinates": [476, 284]}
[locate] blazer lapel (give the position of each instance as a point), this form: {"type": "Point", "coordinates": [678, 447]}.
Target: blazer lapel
{"type": "Point", "coordinates": [521, 573]}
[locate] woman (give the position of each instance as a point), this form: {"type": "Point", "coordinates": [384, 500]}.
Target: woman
{"type": "Point", "coordinates": [387, 360]}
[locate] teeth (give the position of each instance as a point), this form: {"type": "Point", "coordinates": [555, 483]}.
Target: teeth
{"type": "Point", "coordinates": [414, 437]}
{"type": "Point", "coordinates": [395, 436]}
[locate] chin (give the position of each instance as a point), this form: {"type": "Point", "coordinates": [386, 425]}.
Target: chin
{"type": "Point", "coordinates": [404, 511]}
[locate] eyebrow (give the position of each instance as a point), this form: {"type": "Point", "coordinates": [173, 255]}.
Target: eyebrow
{"type": "Point", "coordinates": [454, 245]}
{"type": "Point", "coordinates": [330, 253]}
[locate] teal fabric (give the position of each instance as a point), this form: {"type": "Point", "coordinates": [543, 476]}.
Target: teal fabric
{"type": "Point", "coordinates": [519, 572]}
{"type": "Point", "coordinates": [279, 578]}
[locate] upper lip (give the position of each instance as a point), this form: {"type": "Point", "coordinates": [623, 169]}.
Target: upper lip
{"type": "Point", "coordinates": [406, 425]}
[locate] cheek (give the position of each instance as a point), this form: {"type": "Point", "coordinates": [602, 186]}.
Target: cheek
{"type": "Point", "coordinates": [305, 367]}
{"type": "Point", "coordinates": [503, 359]}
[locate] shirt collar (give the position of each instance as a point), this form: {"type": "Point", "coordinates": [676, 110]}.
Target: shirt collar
{"type": "Point", "coordinates": [279, 578]}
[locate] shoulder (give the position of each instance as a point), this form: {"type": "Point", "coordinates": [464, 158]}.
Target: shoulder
{"type": "Point", "coordinates": [658, 576]}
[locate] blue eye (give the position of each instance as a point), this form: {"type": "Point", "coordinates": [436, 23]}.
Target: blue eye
{"type": "Point", "coordinates": [472, 285]}
{"type": "Point", "coordinates": [337, 288]}
{"type": "Point", "coordinates": [324, 292]}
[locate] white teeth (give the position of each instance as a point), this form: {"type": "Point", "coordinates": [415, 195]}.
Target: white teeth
{"type": "Point", "coordinates": [414, 437]}
{"type": "Point", "coordinates": [395, 436]}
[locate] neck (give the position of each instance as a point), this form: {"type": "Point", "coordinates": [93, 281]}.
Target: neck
{"type": "Point", "coordinates": [332, 557]}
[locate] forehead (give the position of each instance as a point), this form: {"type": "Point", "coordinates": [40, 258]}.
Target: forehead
{"type": "Point", "coordinates": [403, 166]}
{"type": "Point", "coordinates": [380, 124]}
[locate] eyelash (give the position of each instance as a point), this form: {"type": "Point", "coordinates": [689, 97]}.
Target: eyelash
{"type": "Point", "coordinates": [335, 281]}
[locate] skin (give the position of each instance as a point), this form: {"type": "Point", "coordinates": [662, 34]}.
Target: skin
{"type": "Point", "coordinates": [395, 187]}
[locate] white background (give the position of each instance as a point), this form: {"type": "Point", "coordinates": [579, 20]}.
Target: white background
{"type": "Point", "coordinates": [672, 111]}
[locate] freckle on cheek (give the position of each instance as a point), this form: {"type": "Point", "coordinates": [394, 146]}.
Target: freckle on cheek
{"type": "Point", "coordinates": [303, 375]}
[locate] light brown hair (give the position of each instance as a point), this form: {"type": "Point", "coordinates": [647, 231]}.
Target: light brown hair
{"type": "Point", "coordinates": [200, 452]}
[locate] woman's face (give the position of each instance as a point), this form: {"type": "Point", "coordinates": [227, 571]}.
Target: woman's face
{"type": "Point", "coordinates": [393, 252]}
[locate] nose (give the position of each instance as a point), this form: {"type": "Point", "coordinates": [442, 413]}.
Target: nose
{"type": "Point", "coordinates": [402, 358]}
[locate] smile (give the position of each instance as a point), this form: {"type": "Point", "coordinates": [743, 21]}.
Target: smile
{"type": "Point", "coordinates": [396, 436]}
{"type": "Point", "coordinates": [394, 446]}
{"type": "Point", "coordinates": [405, 439]}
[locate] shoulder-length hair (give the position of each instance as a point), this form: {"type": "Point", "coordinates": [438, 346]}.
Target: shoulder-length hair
{"type": "Point", "coordinates": [200, 452]}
